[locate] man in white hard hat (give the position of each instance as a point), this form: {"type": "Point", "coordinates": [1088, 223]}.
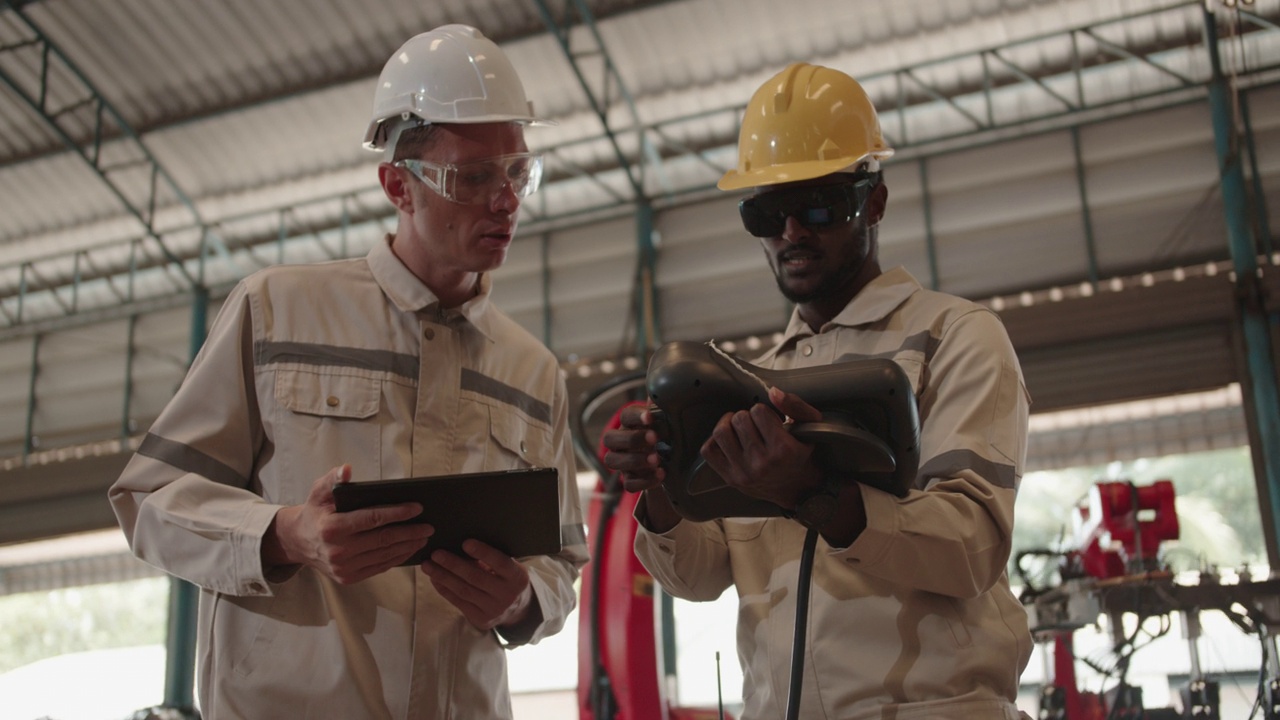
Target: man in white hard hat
{"type": "Point", "coordinates": [910, 614]}
{"type": "Point", "coordinates": [389, 366]}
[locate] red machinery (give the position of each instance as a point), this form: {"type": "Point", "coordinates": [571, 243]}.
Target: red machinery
{"type": "Point", "coordinates": [1118, 532]}
{"type": "Point", "coordinates": [619, 676]}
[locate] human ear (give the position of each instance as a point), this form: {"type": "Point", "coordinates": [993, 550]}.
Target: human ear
{"type": "Point", "coordinates": [874, 209]}
{"type": "Point", "coordinates": [394, 187]}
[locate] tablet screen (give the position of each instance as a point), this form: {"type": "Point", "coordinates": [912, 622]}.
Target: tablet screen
{"type": "Point", "coordinates": [515, 511]}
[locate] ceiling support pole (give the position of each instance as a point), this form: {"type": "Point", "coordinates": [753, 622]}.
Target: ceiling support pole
{"type": "Point", "coordinates": [180, 640]}
{"type": "Point", "coordinates": [1253, 314]}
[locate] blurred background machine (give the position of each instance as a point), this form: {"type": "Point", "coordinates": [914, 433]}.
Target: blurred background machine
{"type": "Point", "coordinates": [1115, 574]}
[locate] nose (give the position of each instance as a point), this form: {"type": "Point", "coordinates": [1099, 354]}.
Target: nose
{"type": "Point", "coordinates": [505, 200]}
{"type": "Point", "coordinates": [793, 230]}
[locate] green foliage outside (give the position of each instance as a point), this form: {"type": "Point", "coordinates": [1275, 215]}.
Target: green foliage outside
{"type": "Point", "coordinates": [41, 625]}
{"type": "Point", "coordinates": [1216, 497]}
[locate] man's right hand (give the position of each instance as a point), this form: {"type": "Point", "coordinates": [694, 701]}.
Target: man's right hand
{"type": "Point", "coordinates": [347, 547]}
{"type": "Point", "coordinates": [633, 452]}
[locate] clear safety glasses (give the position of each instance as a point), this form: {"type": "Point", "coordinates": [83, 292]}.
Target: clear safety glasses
{"type": "Point", "coordinates": [814, 206]}
{"type": "Point", "coordinates": [478, 182]}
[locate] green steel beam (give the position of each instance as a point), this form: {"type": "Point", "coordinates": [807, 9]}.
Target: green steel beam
{"type": "Point", "coordinates": [1090, 244]}
{"type": "Point", "coordinates": [1265, 405]}
{"type": "Point", "coordinates": [612, 80]}
{"type": "Point", "coordinates": [130, 353]}
{"type": "Point", "coordinates": [180, 640]}
{"type": "Point", "coordinates": [180, 645]}
{"type": "Point", "coordinates": [271, 94]}
{"type": "Point", "coordinates": [1052, 116]}
{"type": "Point", "coordinates": [644, 286]}
{"type": "Point", "coordinates": [53, 63]}
{"type": "Point", "coordinates": [1061, 109]}
{"type": "Point", "coordinates": [930, 240]}
{"type": "Point", "coordinates": [29, 437]}
{"type": "Point", "coordinates": [1259, 197]}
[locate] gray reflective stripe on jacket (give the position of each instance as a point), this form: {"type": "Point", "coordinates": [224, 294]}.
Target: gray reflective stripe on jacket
{"type": "Point", "coordinates": [306, 368]}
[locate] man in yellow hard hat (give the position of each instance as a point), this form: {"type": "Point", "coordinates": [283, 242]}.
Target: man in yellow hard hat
{"type": "Point", "coordinates": [911, 613]}
{"type": "Point", "coordinates": [393, 365]}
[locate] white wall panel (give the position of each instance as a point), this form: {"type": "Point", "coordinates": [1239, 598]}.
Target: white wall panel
{"type": "Point", "coordinates": [1004, 259]}
{"type": "Point", "coordinates": [903, 235]}
{"type": "Point", "coordinates": [162, 351]}
{"type": "Point", "coordinates": [15, 368]}
{"type": "Point", "coordinates": [724, 307]}
{"type": "Point", "coordinates": [591, 275]}
{"type": "Point", "coordinates": [79, 394]}
{"type": "Point", "coordinates": [715, 281]}
{"type": "Point", "coordinates": [704, 241]}
{"type": "Point", "coordinates": [1264, 114]}
{"type": "Point", "coordinates": [1154, 194]}
{"type": "Point", "coordinates": [1160, 232]}
{"type": "Point", "coordinates": [592, 327]}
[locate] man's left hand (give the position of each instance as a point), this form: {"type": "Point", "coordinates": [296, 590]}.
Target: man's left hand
{"type": "Point", "coordinates": [753, 451]}
{"type": "Point", "coordinates": [490, 588]}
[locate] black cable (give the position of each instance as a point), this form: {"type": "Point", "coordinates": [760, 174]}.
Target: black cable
{"type": "Point", "coordinates": [1030, 590]}
{"type": "Point", "coordinates": [1124, 656]}
{"type": "Point", "coordinates": [1263, 701]}
{"type": "Point", "coordinates": [802, 624]}
{"type": "Point", "coordinates": [719, 690]}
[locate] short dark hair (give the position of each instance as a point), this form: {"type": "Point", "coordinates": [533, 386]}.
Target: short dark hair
{"type": "Point", "coordinates": [415, 141]}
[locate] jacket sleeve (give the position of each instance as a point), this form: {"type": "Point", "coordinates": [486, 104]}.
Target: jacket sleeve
{"type": "Point", "coordinates": [553, 576]}
{"type": "Point", "coordinates": [700, 571]}
{"type": "Point", "coordinates": [184, 500]}
{"type": "Point", "coordinates": [953, 534]}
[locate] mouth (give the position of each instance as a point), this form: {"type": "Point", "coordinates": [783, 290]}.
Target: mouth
{"type": "Point", "coordinates": [799, 260]}
{"type": "Point", "coordinates": [497, 236]}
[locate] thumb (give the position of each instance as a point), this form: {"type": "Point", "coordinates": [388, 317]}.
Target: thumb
{"type": "Point", "coordinates": [792, 406]}
{"type": "Point", "coordinates": [322, 488]}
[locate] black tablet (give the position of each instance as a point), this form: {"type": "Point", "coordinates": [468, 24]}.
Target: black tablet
{"type": "Point", "coordinates": [515, 511]}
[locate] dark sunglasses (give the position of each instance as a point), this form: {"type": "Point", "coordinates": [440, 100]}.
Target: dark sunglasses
{"type": "Point", "coordinates": [814, 206]}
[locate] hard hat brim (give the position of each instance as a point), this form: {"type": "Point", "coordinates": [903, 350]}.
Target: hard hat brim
{"type": "Point", "coordinates": [794, 172]}
{"type": "Point", "coordinates": [371, 141]}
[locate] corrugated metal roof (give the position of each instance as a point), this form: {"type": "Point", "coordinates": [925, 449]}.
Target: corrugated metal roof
{"type": "Point", "coordinates": [253, 106]}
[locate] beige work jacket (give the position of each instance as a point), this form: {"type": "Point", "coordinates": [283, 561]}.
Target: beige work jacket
{"type": "Point", "coordinates": [306, 368]}
{"type": "Point", "coordinates": [915, 619]}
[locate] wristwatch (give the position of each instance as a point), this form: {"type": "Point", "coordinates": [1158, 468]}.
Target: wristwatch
{"type": "Point", "coordinates": [817, 507]}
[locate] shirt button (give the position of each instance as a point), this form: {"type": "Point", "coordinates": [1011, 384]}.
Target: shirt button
{"type": "Point", "coordinates": [523, 449]}
{"type": "Point", "coordinates": [256, 587]}
{"type": "Point", "coordinates": [332, 401]}
{"type": "Point", "coordinates": [429, 334]}
{"type": "Point", "coordinates": [807, 350]}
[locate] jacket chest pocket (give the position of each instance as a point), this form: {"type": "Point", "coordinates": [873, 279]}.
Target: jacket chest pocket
{"type": "Point", "coordinates": [515, 441]}
{"type": "Point", "coordinates": [327, 420]}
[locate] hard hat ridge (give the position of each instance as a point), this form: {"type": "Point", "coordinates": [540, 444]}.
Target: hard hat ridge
{"type": "Point", "coordinates": [805, 122]}
{"type": "Point", "coordinates": [452, 74]}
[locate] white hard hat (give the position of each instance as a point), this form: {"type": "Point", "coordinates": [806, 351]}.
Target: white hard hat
{"type": "Point", "coordinates": [453, 74]}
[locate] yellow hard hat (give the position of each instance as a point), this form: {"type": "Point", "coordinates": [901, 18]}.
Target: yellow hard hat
{"type": "Point", "coordinates": [805, 122]}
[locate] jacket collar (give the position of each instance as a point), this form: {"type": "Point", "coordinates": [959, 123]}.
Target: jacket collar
{"type": "Point", "coordinates": [410, 294]}
{"type": "Point", "coordinates": [872, 304]}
